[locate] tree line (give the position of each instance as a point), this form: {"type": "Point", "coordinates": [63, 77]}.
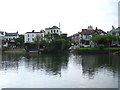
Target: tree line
{"type": "Point", "coordinates": [49, 43]}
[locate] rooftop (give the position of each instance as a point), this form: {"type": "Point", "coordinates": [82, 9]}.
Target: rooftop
{"type": "Point", "coordinates": [11, 34]}
{"type": "Point", "coordinates": [54, 27]}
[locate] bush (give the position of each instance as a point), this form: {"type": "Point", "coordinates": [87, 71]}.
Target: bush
{"type": "Point", "coordinates": [101, 46]}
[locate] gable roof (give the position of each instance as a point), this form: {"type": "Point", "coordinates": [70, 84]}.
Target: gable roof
{"type": "Point", "coordinates": [99, 31]}
{"type": "Point", "coordinates": [87, 32]}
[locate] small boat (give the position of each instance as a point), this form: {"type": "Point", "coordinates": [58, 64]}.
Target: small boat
{"type": "Point", "coordinates": [33, 51]}
{"type": "Point", "coordinates": [117, 52]}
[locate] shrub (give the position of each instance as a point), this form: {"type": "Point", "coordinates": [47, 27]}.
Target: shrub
{"type": "Point", "coordinates": [101, 46]}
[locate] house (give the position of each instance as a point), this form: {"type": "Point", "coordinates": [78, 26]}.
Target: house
{"type": "Point", "coordinates": [54, 29]}
{"type": "Point", "coordinates": [1, 38]}
{"type": "Point", "coordinates": [9, 39]}
{"type": "Point", "coordinates": [30, 36]}
{"type": "Point", "coordinates": [83, 38]}
{"type": "Point", "coordinates": [76, 38]}
{"type": "Point", "coordinates": [116, 32]}
{"type": "Point", "coordinates": [87, 34]}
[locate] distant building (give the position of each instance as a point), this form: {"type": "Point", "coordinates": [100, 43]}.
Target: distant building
{"type": "Point", "coordinates": [54, 29]}
{"type": "Point", "coordinates": [1, 38]}
{"type": "Point", "coordinates": [84, 37]}
{"type": "Point", "coordinates": [9, 39]}
{"type": "Point", "coordinates": [116, 32]}
{"type": "Point", "coordinates": [30, 36]}
{"type": "Point", "coordinates": [87, 35]}
{"type": "Point", "coordinates": [76, 38]}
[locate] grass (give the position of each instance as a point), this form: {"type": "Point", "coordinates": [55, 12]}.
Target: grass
{"type": "Point", "coordinates": [15, 50]}
{"type": "Point", "coordinates": [115, 48]}
{"type": "Point", "coordinates": [112, 48]}
{"type": "Point", "coordinates": [41, 49]}
{"type": "Point", "coordinates": [88, 48]}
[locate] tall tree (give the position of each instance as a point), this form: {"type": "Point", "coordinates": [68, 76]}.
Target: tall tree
{"type": "Point", "coordinates": [38, 39]}
{"type": "Point", "coordinates": [20, 41]}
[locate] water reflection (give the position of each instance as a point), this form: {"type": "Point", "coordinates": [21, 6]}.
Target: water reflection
{"type": "Point", "coordinates": [74, 70]}
{"type": "Point", "coordinates": [94, 63]}
{"type": "Point", "coordinates": [50, 63]}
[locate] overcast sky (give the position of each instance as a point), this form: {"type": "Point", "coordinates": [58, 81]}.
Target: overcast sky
{"type": "Point", "coordinates": [73, 15]}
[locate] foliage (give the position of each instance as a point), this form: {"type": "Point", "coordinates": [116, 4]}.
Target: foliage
{"type": "Point", "coordinates": [101, 46]}
{"type": "Point", "coordinates": [50, 43]}
{"type": "Point", "coordinates": [37, 40]}
{"type": "Point", "coordinates": [20, 41]}
{"type": "Point", "coordinates": [30, 46]}
{"type": "Point", "coordinates": [57, 43]}
{"type": "Point", "coordinates": [105, 39]}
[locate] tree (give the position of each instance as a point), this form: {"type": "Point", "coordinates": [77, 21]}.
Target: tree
{"type": "Point", "coordinates": [38, 39]}
{"type": "Point", "coordinates": [57, 43]}
{"type": "Point", "coordinates": [20, 41]}
{"type": "Point", "coordinates": [105, 39]}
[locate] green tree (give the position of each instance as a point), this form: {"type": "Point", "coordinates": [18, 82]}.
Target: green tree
{"type": "Point", "coordinates": [38, 38]}
{"type": "Point", "coordinates": [105, 39]}
{"type": "Point", "coordinates": [20, 41]}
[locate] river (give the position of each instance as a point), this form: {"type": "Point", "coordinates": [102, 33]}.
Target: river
{"type": "Point", "coordinates": [65, 70]}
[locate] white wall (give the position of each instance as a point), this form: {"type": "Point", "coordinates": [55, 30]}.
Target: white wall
{"type": "Point", "coordinates": [52, 31]}
{"type": "Point", "coordinates": [11, 37]}
{"type": "Point", "coordinates": [31, 36]}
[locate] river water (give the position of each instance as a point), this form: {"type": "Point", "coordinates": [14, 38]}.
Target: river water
{"type": "Point", "coordinates": [65, 70]}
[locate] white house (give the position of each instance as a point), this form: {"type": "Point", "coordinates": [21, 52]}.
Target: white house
{"type": "Point", "coordinates": [30, 36]}
{"type": "Point", "coordinates": [54, 29]}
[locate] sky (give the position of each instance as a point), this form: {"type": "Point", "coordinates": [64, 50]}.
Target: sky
{"type": "Point", "coordinates": [73, 15]}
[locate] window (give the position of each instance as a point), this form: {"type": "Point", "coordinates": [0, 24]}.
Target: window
{"type": "Point", "coordinates": [33, 39]}
{"type": "Point", "coordinates": [33, 35]}
{"type": "Point", "coordinates": [28, 39]}
{"type": "Point", "coordinates": [54, 31]}
{"type": "Point", "coordinates": [28, 35]}
{"type": "Point", "coordinates": [51, 31]}
{"type": "Point", "coordinates": [87, 42]}
{"type": "Point", "coordinates": [57, 30]}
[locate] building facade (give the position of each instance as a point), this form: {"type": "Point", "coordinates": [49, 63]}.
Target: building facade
{"type": "Point", "coordinates": [54, 29]}
{"type": "Point", "coordinates": [9, 39]}
{"type": "Point", "coordinates": [87, 35]}
{"type": "Point", "coordinates": [30, 36]}
{"type": "Point", "coordinates": [84, 38]}
{"type": "Point", "coordinates": [116, 32]}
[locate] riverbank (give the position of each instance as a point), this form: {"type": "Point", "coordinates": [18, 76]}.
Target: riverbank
{"type": "Point", "coordinates": [14, 50]}
{"type": "Point", "coordinates": [95, 50]}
